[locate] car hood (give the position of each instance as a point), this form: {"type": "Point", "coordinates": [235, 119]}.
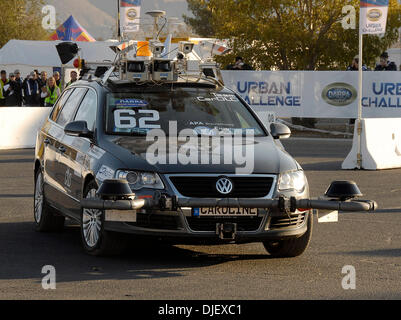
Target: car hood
{"type": "Point", "coordinates": [261, 155]}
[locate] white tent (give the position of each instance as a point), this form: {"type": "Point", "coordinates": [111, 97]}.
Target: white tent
{"type": "Point", "coordinates": [42, 55]}
{"type": "Point", "coordinates": [27, 55]}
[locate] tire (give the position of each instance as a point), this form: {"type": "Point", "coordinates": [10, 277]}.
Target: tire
{"type": "Point", "coordinates": [291, 247]}
{"type": "Point", "coordinates": [45, 220]}
{"type": "Point", "coordinates": [95, 240]}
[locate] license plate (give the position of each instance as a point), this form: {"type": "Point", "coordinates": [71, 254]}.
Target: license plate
{"type": "Point", "coordinates": [224, 212]}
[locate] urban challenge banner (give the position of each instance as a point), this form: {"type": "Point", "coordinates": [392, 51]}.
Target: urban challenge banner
{"type": "Point", "coordinates": [373, 16]}
{"type": "Point", "coordinates": [318, 94]}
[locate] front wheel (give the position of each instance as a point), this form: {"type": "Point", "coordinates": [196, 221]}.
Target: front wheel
{"type": "Point", "coordinates": [95, 240]}
{"type": "Point", "coordinates": [291, 247]}
{"type": "Point", "coordinates": [45, 220]}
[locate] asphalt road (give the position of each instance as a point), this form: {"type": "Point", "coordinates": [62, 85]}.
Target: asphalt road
{"type": "Point", "coordinates": [369, 242]}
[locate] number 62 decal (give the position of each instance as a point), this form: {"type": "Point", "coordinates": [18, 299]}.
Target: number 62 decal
{"type": "Point", "coordinates": [125, 119]}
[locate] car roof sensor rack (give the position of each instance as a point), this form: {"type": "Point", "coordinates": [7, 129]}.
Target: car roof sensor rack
{"type": "Point", "coordinates": [153, 69]}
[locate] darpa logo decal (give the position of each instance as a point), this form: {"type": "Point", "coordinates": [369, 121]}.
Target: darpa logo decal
{"type": "Point", "coordinates": [132, 14]}
{"type": "Point", "coordinates": [374, 15]}
{"type": "Point", "coordinates": [339, 94]}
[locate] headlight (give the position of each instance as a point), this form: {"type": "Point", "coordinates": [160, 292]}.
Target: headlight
{"type": "Point", "coordinates": [294, 180]}
{"type": "Point", "coordinates": [139, 180]}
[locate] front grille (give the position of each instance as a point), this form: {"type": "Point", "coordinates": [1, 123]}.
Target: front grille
{"type": "Point", "coordinates": [205, 187]}
{"type": "Point", "coordinates": [286, 222]}
{"type": "Point", "coordinates": [157, 221]}
{"type": "Point", "coordinates": [209, 224]}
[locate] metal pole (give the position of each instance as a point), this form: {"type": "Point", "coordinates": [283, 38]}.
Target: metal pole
{"type": "Point", "coordinates": [119, 37]}
{"type": "Point", "coordinates": [118, 21]}
{"type": "Point", "coordinates": [62, 78]}
{"type": "Point", "coordinates": [360, 96]}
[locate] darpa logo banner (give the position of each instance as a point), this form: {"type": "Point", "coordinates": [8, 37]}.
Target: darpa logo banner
{"type": "Point", "coordinates": [373, 16]}
{"type": "Point", "coordinates": [339, 94]}
{"type": "Point", "coordinates": [130, 12]}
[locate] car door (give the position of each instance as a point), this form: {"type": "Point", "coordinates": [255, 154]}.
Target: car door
{"type": "Point", "coordinates": [75, 159]}
{"type": "Point", "coordinates": [52, 134]}
{"type": "Point", "coordinates": [64, 176]}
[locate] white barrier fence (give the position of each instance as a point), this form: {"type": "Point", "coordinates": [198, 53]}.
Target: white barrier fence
{"type": "Point", "coordinates": [19, 126]}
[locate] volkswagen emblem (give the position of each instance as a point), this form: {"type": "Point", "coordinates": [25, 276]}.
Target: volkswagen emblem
{"type": "Point", "coordinates": [224, 186]}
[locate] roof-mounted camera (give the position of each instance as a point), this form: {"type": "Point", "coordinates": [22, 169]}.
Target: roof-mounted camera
{"type": "Point", "coordinates": [185, 47]}
{"type": "Point", "coordinates": [156, 47]}
{"type": "Point", "coordinates": [137, 70]}
{"type": "Point", "coordinates": [163, 70]}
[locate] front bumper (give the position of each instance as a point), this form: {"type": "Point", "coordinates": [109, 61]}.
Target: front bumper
{"type": "Point", "coordinates": [182, 227]}
{"type": "Point", "coordinates": [170, 217]}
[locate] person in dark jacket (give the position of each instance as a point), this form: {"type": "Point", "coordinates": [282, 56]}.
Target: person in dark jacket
{"type": "Point", "coordinates": [18, 88]}
{"type": "Point", "coordinates": [42, 84]}
{"type": "Point", "coordinates": [385, 64]}
{"type": "Point", "coordinates": [11, 100]}
{"type": "Point", "coordinates": [355, 65]}
{"type": "Point", "coordinates": [4, 88]}
{"type": "Point", "coordinates": [239, 65]}
{"type": "Point", "coordinates": [74, 78]}
{"type": "Point", "coordinates": [31, 90]}
{"type": "Point", "coordinates": [43, 79]}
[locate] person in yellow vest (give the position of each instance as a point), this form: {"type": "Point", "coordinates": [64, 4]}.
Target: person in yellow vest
{"type": "Point", "coordinates": [4, 87]}
{"type": "Point", "coordinates": [57, 78]}
{"type": "Point", "coordinates": [53, 92]}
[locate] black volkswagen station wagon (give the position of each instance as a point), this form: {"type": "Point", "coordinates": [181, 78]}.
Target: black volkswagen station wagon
{"type": "Point", "coordinates": [155, 160]}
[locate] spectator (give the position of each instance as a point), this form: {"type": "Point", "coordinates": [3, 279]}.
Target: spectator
{"type": "Point", "coordinates": [43, 79]}
{"type": "Point", "coordinates": [355, 65]}
{"type": "Point", "coordinates": [74, 78]}
{"type": "Point", "coordinates": [11, 100]}
{"type": "Point", "coordinates": [239, 65]}
{"type": "Point", "coordinates": [385, 64]}
{"type": "Point", "coordinates": [43, 95]}
{"type": "Point", "coordinates": [18, 88]}
{"type": "Point", "coordinates": [42, 84]}
{"type": "Point", "coordinates": [31, 90]}
{"type": "Point", "coordinates": [4, 87]}
{"type": "Point", "coordinates": [53, 92]}
{"type": "Point", "coordinates": [57, 78]}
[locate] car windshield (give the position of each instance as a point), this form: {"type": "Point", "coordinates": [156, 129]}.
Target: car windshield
{"type": "Point", "coordinates": [202, 111]}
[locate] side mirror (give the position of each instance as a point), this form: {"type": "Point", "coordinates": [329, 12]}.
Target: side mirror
{"type": "Point", "coordinates": [280, 131]}
{"type": "Point", "coordinates": [78, 129]}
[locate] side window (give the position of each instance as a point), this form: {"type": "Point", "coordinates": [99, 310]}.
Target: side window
{"type": "Point", "coordinates": [70, 106]}
{"type": "Point", "coordinates": [88, 110]}
{"type": "Point", "coordinates": [59, 105]}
